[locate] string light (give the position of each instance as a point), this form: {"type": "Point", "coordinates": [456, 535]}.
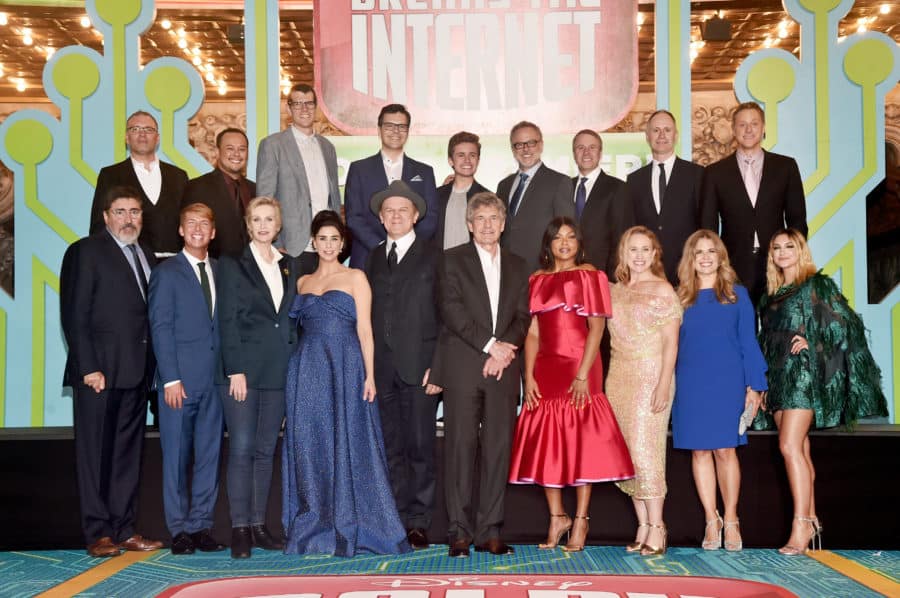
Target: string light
{"type": "Point", "coordinates": [4, 19]}
{"type": "Point", "coordinates": [85, 21]}
{"type": "Point", "coordinates": [165, 24]}
{"type": "Point", "coordinates": [884, 9]}
{"type": "Point", "coordinates": [182, 43]}
{"type": "Point", "coordinates": [26, 37]}
{"type": "Point", "coordinates": [20, 85]}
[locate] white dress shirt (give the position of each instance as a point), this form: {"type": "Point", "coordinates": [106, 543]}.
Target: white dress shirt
{"type": "Point", "coordinates": [490, 266]}
{"type": "Point", "coordinates": [668, 164]}
{"type": "Point", "coordinates": [149, 177]}
{"type": "Point", "coordinates": [271, 272]}
{"type": "Point", "coordinates": [403, 244]}
{"type": "Point", "coordinates": [393, 169]}
{"type": "Point", "coordinates": [316, 173]}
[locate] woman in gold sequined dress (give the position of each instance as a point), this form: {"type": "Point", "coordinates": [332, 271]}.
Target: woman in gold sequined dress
{"type": "Point", "coordinates": [640, 386]}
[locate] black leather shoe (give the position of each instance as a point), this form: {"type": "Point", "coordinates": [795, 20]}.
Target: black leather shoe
{"type": "Point", "coordinates": [240, 542]}
{"type": "Point", "coordinates": [417, 538]}
{"type": "Point", "coordinates": [205, 542]}
{"type": "Point", "coordinates": [459, 549]}
{"type": "Point", "coordinates": [495, 546]}
{"type": "Point", "coordinates": [263, 539]}
{"type": "Point", "coordinates": [182, 544]}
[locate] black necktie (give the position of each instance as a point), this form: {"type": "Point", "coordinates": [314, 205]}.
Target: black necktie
{"type": "Point", "coordinates": [392, 257]}
{"type": "Point", "coordinates": [517, 196]}
{"type": "Point", "coordinates": [662, 184]}
{"type": "Point", "coordinates": [204, 286]}
{"type": "Point", "coordinates": [580, 197]}
{"type": "Point", "coordinates": [139, 268]}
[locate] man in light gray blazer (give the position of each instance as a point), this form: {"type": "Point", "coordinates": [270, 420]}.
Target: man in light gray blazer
{"type": "Point", "coordinates": [298, 168]}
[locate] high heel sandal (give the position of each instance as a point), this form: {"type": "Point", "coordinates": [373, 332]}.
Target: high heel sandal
{"type": "Point", "coordinates": [649, 550]}
{"type": "Point", "coordinates": [636, 545]}
{"type": "Point", "coordinates": [817, 536]}
{"type": "Point", "coordinates": [734, 546]}
{"type": "Point", "coordinates": [793, 550]}
{"type": "Point", "coordinates": [562, 532]}
{"type": "Point", "coordinates": [717, 543]}
{"type": "Point", "coordinates": [578, 547]}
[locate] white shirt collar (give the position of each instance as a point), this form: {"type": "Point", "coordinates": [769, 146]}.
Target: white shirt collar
{"type": "Point", "coordinates": [153, 166]}
{"type": "Point", "coordinates": [530, 172]}
{"type": "Point", "coordinates": [403, 244]}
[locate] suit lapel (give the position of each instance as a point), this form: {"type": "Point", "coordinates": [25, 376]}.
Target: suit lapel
{"type": "Point", "coordinates": [645, 182]}
{"type": "Point", "coordinates": [740, 188]}
{"type": "Point", "coordinates": [503, 301]}
{"type": "Point", "coordinates": [289, 145]}
{"type": "Point", "coordinates": [248, 263]}
{"type": "Point", "coordinates": [376, 171]}
{"type": "Point", "coordinates": [118, 256]}
{"type": "Point", "coordinates": [765, 181]}
{"type": "Point", "coordinates": [474, 266]}
{"type": "Point", "coordinates": [284, 268]}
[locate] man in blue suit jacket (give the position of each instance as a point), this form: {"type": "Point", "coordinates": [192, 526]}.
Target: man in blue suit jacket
{"type": "Point", "coordinates": [185, 336]}
{"type": "Point", "coordinates": [367, 177]}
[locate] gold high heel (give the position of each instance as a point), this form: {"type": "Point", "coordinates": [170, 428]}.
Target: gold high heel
{"type": "Point", "coordinates": [734, 546]}
{"type": "Point", "coordinates": [793, 550]}
{"type": "Point", "coordinates": [636, 546]}
{"type": "Point", "coordinates": [649, 550]}
{"type": "Point", "coordinates": [717, 543]}
{"type": "Point", "coordinates": [578, 547]}
{"type": "Point", "coordinates": [562, 532]}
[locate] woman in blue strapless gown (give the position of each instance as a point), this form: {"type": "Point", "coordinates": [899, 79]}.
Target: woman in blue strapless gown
{"type": "Point", "coordinates": [336, 493]}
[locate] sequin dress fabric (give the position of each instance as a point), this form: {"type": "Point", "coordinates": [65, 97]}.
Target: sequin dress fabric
{"type": "Point", "coordinates": [556, 444]}
{"type": "Point", "coordinates": [635, 363]}
{"type": "Point", "coordinates": [336, 496]}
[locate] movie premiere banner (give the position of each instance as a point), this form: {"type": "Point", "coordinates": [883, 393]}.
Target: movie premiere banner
{"type": "Point", "coordinates": [479, 65]}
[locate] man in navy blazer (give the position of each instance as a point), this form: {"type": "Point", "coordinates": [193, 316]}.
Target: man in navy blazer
{"type": "Point", "coordinates": [185, 335]}
{"type": "Point", "coordinates": [370, 175]}
{"type": "Point", "coordinates": [463, 155]}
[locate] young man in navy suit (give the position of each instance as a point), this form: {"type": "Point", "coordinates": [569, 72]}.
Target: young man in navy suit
{"type": "Point", "coordinates": [186, 340]}
{"type": "Point", "coordinates": [367, 177]}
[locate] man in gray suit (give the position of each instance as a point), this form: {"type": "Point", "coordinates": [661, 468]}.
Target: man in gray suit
{"type": "Point", "coordinates": [298, 168]}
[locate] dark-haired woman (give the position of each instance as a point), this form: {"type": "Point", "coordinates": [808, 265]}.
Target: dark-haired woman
{"type": "Point", "coordinates": [567, 434]}
{"type": "Point", "coordinates": [336, 493]}
{"type": "Point", "coordinates": [719, 373]}
{"type": "Point", "coordinates": [821, 372]}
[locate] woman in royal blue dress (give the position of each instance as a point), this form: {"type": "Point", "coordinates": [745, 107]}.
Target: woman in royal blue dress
{"type": "Point", "coordinates": [336, 493]}
{"type": "Point", "coordinates": [720, 372]}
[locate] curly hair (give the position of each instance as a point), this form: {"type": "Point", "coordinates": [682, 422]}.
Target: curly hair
{"type": "Point", "coordinates": [689, 280]}
{"type": "Point", "coordinates": [623, 273]}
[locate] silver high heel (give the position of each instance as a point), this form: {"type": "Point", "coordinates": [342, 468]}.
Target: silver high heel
{"type": "Point", "coordinates": [734, 546]}
{"type": "Point", "coordinates": [717, 543]}
{"type": "Point", "coordinates": [793, 550]}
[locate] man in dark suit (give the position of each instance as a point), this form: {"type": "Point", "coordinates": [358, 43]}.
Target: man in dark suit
{"type": "Point", "coordinates": [754, 193]}
{"type": "Point", "coordinates": [601, 203]}
{"type": "Point", "coordinates": [367, 177]}
{"type": "Point", "coordinates": [185, 333]}
{"type": "Point", "coordinates": [463, 154]}
{"type": "Point", "coordinates": [161, 186]}
{"type": "Point", "coordinates": [227, 191]}
{"type": "Point", "coordinates": [483, 298]}
{"type": "Point", "coordinates": [534, 195]}
{"type": "Point", "coordinates": [665, 193]}
{"type": "Point", "coordinates": [402, 272]}
{"type": "Point", "coordinates": [298, 167]}
{"type": "Point", "coordinates": [103, 290]}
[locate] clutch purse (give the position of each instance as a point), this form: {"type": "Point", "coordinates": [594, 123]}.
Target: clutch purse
{"type": "Point", "coordinates": [746, 419]}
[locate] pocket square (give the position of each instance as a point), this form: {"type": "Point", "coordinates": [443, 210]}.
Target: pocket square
{"type": "Point", "coordinates": [416, 179]}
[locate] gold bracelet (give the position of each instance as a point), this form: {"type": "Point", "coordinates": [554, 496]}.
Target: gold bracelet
{"type": "Point", "coordinates": [581, 379]}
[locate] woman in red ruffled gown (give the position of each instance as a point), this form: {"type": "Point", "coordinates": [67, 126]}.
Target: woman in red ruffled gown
{"type": "Point", "coordinates": [567, 434]}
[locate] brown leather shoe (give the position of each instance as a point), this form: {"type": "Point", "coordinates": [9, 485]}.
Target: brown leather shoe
{"type": "Point", "coordinates": [417, 538]}
{"type": "Point", "coordinates": [495, 546]}
{"type": "Point", "coordinates": [138, 543]}
{"type": "Point", "coordinates": [103, 548]}
{"type": "Point", "coordinates": [459, 548]}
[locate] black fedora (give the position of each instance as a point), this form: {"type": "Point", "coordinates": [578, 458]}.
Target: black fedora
{"type": "Point", "coordinates": [398, 188]}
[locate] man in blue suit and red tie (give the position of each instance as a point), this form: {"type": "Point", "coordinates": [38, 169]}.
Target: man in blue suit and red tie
{"type": "Point", "coordinates": [367, 177]}
{"type": "Point", "coordinates": [185, 335]}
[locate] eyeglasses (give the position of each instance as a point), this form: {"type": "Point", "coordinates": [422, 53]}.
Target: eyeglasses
{"type": "Point", "coordinates": [395, 127]}
{"type": "Point", "coordinates": [530, 144]}
{"type": "Point", "coordinates": [137, 129]}
{"type": "Point", "coordinates": [122, 212]}
{"type": "Point", "coordinates": [302, 104]}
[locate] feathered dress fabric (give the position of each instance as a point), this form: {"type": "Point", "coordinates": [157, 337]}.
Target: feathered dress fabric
{"type": "Point", "coordinates": [634, 370]}
{"type": "Point", "coordinates": [556, 444]}
{"type": "Point", "coordinates": [718, 358]}
{"type": "Point", "coordinates": [336, 495]}
{"type": "Point", "coordinates": [836, 376]}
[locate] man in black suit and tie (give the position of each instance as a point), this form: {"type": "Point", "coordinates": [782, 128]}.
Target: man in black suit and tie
{"type": "Point", "coordinates": [665, 194]}
{"type": "Point", "coordinates": [402, 272]}
{"type": "Point", "coordinates": [161, 186]}
{"type": "Point", "coordinates": [753, 193]}
{"type": "Point", "coordinates": [103, 301]}
{"type": "Point", "coordinates": [534, 195]}
{"type": "Point", "coordinates": [483, 300]}
{"type": "Point", "coordinates": [463, 155]}
{"type": "Point", "coordinates": [601, 203]}
{"type": "Point", "coordinates": [227, 191]}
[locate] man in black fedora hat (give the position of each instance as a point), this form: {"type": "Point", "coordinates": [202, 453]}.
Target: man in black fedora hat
{"type": "Point", "coordinates": [401, 271]}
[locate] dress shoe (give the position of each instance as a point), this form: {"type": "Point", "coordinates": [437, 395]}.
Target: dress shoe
{"type": "Point", "coordinates": [182, 544]}
{"type": "Point", "coordinates": [103, 548]}
{"type": "Point", "coordinates": [263, 539]}
{"type": "Point", "coordinates": [459, 549]}
{"type": "Point", "coordinates": [241, 542]}
{"type": "Point", "coordinates": [495, 546]}
{"type": "Point", "coordinates": [138, 543]}
{"type": "Point", "coordinates": [417, 538]}
{"type": "Point", "coordinates": [205, 543]}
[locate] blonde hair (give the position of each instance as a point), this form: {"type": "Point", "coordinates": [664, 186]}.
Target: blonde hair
{"type": "Point", "coordinates": [623, 273]}
{"type": "Point", "coordinates": [263, 200]}
{"type": "Point", "coordinates": [689, 280]}
{"type": "Point", "coordinates": [198, 209]}
{"type": "Point", "coordinates": [805, 265]}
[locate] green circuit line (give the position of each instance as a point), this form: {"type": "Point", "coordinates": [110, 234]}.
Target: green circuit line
{"type": "Point", "coordinates": [41, 278]}
{"type": "Point", "coordinates": [823, 105]}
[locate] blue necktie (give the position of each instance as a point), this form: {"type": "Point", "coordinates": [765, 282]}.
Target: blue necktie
{"type": "Point", "coordinates": [580, 197]}
{"type": "Point", "coordinates": [517, 196]}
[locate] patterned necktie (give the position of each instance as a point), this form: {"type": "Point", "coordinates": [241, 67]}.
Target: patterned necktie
{"type": "Point", "coordinates": [580, 197]}
{"type": "Point", "coordinates": [204, 286]}
{"type": "Point", "coordinates": [662, 184]}
{"type": "Point", "coordinates": [517, 196]}
{"type": "Point", "coordinates": [392, 257]}
{"type": "Point", "coordinates": [750, 180]}
{"type": "Point", "coordinates": [139, 269]}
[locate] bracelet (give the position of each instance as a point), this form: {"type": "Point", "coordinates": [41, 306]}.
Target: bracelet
{"type": "Point", "coordinates": [581, 379]}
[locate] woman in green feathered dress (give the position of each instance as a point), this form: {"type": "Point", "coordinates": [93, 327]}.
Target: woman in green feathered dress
{"type": "Point", "coordinates": [821, 373]}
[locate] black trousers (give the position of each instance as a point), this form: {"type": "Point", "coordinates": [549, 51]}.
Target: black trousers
{"type": "Point", "coordinates": [109, 437]}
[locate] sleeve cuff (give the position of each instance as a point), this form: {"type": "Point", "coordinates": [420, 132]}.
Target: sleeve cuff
{"type": "Point", "coordinates": [172, 383]}
{"type": "Point", "coordinates": [490, 343]}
